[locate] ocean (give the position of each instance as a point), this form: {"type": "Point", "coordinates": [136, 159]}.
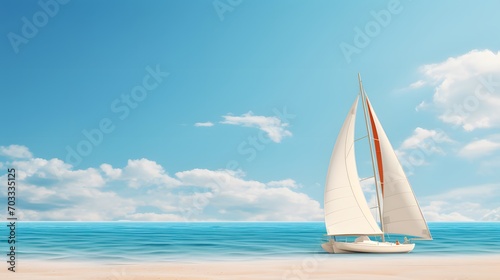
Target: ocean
{"type": "Point", "coordinates": [132, 242]}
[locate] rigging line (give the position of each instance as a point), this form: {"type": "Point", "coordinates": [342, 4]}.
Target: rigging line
{"type": "Point", "coordinates": [364, 179]}
{"type": "Point", "coordinates": [361, 138]}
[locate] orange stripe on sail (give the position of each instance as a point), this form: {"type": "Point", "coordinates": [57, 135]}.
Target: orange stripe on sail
{"type": "Point", "coordinates": [378, 152]}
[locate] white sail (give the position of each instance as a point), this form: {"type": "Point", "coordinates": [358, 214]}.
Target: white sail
{"type": "Point", "coordinates": [401, 212]}
{"type": "Point", "coordinates": [346, 210]}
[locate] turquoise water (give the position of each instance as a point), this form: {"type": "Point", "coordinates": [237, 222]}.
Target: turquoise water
{"type": "Point", "coordinates": [155, 241]}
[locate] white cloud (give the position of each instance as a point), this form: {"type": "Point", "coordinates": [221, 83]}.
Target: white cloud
{"type": "Point", "coordinates": [144, 172]}
{"type": "Point", "coordinates": [436, 211]}
{"type": "Point", "coordinates": [15, 151]}
{"type": "Point", "coordinates": [204, 124]}
{"type": "Point", "coordinates": [473, 192]}
{"type": "Point", "coordinates": [493, 215]}
{"type": "Point", "coordinates": [211, 179]}
{"type": "Point", "coordinates": [143, 190]}
{"type": "Point", "coordinates": [113, 173]}
{"type": "Point", "coordinates": [425, 138]}
{"type": "Point", "coordinates": [52, 190]}
{"type": "Point", "coordinates": [481, 147]}
{"type": "Point", "coordinates": [275, 129]}
{"type": "Point", "coordinates": [422, 106]}
{"type": "Point", "coordinates": [467, 89]}
{"type": "Point", "coordinates": [58, 173]}
{"type": "Point", "coordinates": [288, 183]}
{"type": "Point", "coordinates": [235, 198]}
{"type": "Point", "coordinates": [154, 217]}
{"type": "Point", "coordinates": [417, 84]}
{"type": "Point", "coordinates": [473, 203]}
{"type": "Point", "coordinates": [422, 144]}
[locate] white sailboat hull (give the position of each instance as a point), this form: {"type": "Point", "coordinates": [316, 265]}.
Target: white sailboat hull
{"type": "Point", "coordinates": [366, 247]}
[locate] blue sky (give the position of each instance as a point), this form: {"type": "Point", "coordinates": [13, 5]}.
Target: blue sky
{"type": "Point", "coordinates": [229, 110]}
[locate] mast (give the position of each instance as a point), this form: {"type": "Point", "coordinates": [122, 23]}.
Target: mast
{"type": "Point", "coordinates": [365, 113]}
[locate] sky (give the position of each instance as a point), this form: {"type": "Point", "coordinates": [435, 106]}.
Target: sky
{"type": "Point", "coordinates": [228, 110]}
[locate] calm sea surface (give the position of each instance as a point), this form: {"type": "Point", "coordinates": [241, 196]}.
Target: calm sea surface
{"type": "Point", "coordinates": [155, 241]}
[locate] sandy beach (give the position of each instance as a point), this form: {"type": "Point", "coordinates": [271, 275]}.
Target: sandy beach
{"type": "Point", "coordinates": [314, 267]}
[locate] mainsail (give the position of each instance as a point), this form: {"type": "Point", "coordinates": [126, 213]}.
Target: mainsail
{"type": "Point", "coordinates": [346, 210]}
{"type": "Point", "coordinates": [401, 213]}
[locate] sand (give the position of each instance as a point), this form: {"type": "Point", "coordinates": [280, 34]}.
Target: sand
{"type": "Point", "coordinates": [322, 266]}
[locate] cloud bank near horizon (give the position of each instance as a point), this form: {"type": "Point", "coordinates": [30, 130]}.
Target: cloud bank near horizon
{"type": "Point", "coordinates": [143, 190]}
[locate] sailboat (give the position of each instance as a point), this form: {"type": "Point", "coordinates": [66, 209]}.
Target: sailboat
{"type": "Point", "coordinates": [347, 213]}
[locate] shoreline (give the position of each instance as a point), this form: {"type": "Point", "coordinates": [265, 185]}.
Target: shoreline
{"type": "Point", "coordinates": [319, 266]}
{"type": "Point", "coordinates": [255, 258]}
